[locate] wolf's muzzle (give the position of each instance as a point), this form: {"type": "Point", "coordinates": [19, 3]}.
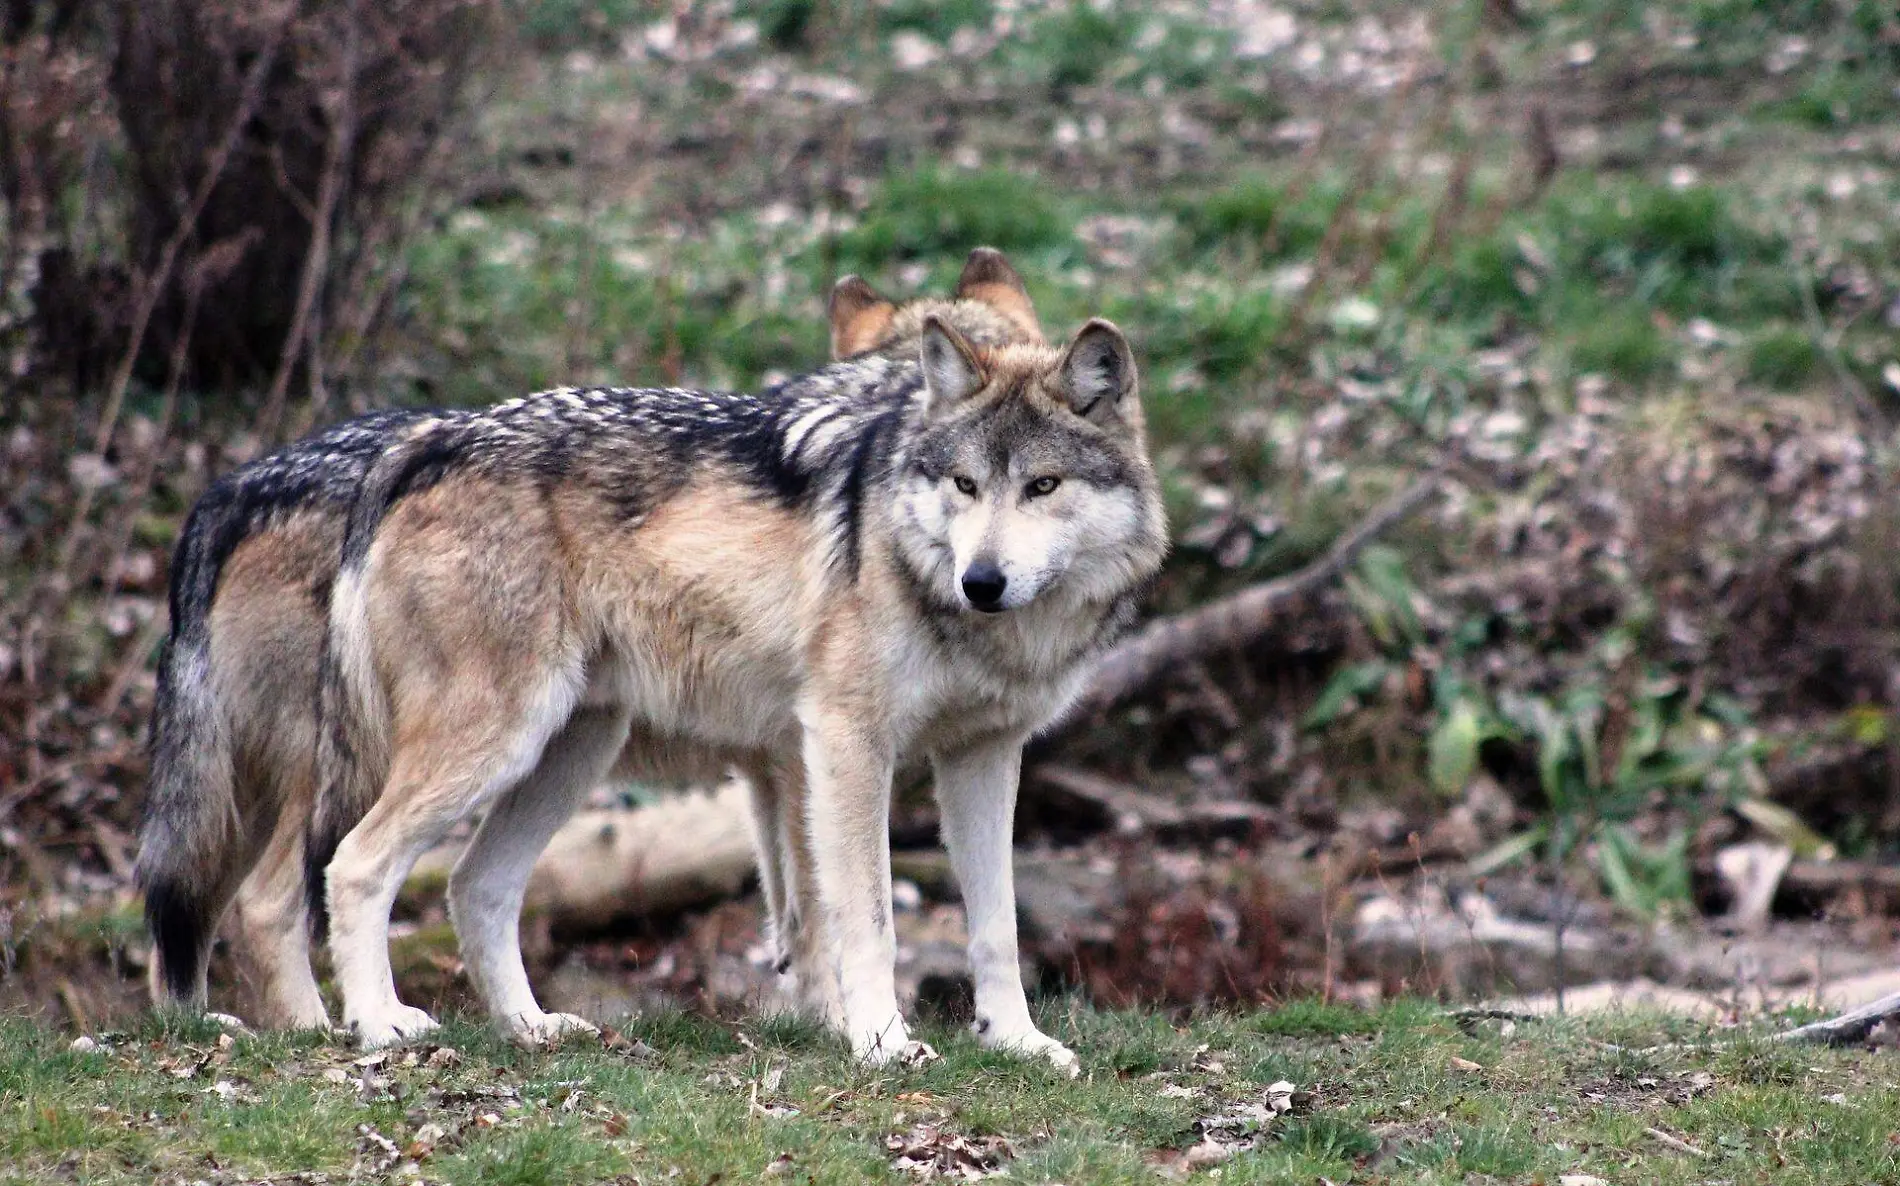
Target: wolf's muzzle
{"type": "Point", "coordinates": [983, 585]}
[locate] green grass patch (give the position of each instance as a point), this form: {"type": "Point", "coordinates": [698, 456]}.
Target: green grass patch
{"type": "Point", "coordinates": [1623, 342]}
{"type": "Point", "coordinates": [1400, 1084]}
{"type": "Point", "coordinates": [933, 211]}
{"type": "Point", "coordinates": [1784, 359]}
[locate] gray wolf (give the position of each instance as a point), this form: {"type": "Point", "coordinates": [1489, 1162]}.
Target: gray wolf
{"type": "Point", "coordinates": [888, 557]}
{"type": "Point", "coordinates": [234, 731]}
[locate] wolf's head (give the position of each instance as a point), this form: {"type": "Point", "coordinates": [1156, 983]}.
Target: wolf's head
{"type": "Point", "coordinates": [1029, 478]}
{"type": "Point", "coordinates": [989, 307]}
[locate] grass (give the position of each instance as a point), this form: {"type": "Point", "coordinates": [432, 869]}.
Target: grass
{"type": "Point", "coordinates": [1398, 1094]}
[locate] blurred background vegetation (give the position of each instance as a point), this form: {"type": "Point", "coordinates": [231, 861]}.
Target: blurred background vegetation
{"type": "Point", "coordinates": [1628, 274]}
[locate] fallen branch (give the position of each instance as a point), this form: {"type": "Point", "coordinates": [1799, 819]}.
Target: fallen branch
{"type": "Point", "coordinates": [604, 867]}
{"type": "Point", "coordinates": [1125, 809]}
{"type": "Point", "coordinates": [1238, 619]}
{"type": "Point", "coordinates": [1850, 1027]}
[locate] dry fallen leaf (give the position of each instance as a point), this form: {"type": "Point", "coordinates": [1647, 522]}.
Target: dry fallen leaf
{"type": "Point", "coordinates": [1465, 1065]}
{"type": "Point", "coordinates": [919, 1054]}
{"type": "Point", "coordinates": [927, 1152]}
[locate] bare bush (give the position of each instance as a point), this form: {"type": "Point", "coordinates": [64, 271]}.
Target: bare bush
{"type": "Point", "coordinates": [289, 132]}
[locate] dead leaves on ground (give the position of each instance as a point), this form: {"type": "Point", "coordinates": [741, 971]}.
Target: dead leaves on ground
{"type": "Point", "coordinates": [1240, 1126]}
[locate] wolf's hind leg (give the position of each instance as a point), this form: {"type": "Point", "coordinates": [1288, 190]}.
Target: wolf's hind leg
{"type": "Point", "coordinates": [490, 880]}
{"type": "Point", "coordinates": [272, 925]}
{"type": "Point", "coordinates": [762, 800]}
{"type": "Point", "coordinates": [976, 792]}
{"type": "Point", "coordinates": [779, 803]}
{"type": "Point", "coordinates": [436, 778]}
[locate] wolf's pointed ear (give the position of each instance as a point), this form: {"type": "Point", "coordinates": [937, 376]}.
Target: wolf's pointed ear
{"type": "Point", "coordinates": [951, 372]}
{"type": "Point", "coordinates": [859, 317]}
{"type": "Point", "coordinates": [1098, 372]}
{"type": "Point", "coordinates": [987, 277]}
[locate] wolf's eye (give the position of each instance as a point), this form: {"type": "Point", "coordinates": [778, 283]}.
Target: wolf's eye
{"type": "Point", "coordinates": [1043, 485]}
{"type": "Point", "coordinates": [966, 486]}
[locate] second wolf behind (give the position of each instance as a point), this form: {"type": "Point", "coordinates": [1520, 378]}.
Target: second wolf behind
{"type": "Point", "coordinates": [881, 559]}
{"type": "Point", "coordinates": [233, 733]}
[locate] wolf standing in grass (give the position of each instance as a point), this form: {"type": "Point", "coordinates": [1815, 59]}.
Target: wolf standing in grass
{"type": "Point", "coordinates": [884, 558]}
{"type": "Point", "coordinates": [233, 735]}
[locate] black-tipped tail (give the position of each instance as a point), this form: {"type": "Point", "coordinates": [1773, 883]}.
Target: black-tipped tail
{"type": "Point", "coordinates": [181, 925]}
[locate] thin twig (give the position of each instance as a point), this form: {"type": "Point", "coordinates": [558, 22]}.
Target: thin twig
{"type": "Point", "coordinates": [316, 265]}
{"type": "Point", "coordinates": [1677, 1143]}
{"type": "Point", "coordinates": [156, 283]}
{"type": "Point", "coordinates": [108, 558]}
{"type": "Point", "coordinates": [1824, 341]}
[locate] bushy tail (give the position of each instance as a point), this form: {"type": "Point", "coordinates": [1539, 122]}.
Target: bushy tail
{"type": "Point", "coordinates": [191, 825]}
{"type": "Point", "coordinates": [353, 714]}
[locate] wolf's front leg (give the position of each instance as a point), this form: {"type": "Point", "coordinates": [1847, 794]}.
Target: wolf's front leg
{"type": "Point", "coordinates": [976, 791]}
{"type": "Point", "coordinates": [848, 771]}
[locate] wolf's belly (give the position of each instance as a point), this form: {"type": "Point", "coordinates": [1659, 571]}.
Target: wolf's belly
{"type": "Point", "coordinates": [707, 693]}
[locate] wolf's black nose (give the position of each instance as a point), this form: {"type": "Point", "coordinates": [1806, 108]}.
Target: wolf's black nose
{"type": "Point", "coordinates": [983, 584]}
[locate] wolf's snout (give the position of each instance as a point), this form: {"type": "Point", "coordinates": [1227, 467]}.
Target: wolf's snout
{"type": "Point", "coordinates": [983, 584]}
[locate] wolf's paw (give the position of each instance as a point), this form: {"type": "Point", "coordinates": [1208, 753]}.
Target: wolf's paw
{"type": "Point", "coordinates": [389, 1028]}
{"type": "Point", "coordinates": [548, 1029]}
{"type": "Point", "coordinates": [883, 1045]}
{"type": "Point", "coordinates": [1034, 1044]}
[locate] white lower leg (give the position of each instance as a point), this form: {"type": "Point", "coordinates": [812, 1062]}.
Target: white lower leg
{"type": "Point", "coordinates": [850, 847]}
{"type": "Point", "coordinates": [362, 889]}
{"type": "Point", "coordinates": [490, 881]}
{"type": "Point", "coordinates": [977, 794]}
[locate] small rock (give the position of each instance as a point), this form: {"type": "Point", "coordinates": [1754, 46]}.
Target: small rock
{"type": "Point", "coordinates": [1280, 1096]}
{"type": "Point", "coordinates": [1205, 1154]}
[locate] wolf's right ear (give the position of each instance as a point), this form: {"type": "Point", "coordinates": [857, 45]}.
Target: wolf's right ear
{"type": "Point", "coordinates": [988, 277]}
{"type": "Point", "coordinates": [951, 372]}
{"type": "Point", "coordinates": [1098, 372]}
{"type": "Point", "coordinates": [859, 317]}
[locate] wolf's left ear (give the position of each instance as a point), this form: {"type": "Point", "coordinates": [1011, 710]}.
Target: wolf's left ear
{"type": "Point", "coordinates": [1098, 372]}
{"type": "Point", "coordinates": [988, 277]}
{"type": "Point", "coordinates": [951, 372]}
{"type": "Point", "coordinates": [859, 317]}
